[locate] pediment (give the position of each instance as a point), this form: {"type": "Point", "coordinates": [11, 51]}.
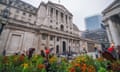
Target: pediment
{"type": "Point", "coordinates": [115, 4]}
{"type": "Point", "coordinates": [60, 7]}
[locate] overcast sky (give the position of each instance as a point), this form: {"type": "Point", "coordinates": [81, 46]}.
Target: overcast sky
{"type": "Point", "coordinates": [79, 8]}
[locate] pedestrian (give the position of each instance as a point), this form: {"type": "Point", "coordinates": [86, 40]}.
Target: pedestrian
{"type": "Point", "coordinates": [30, 52]}
{"type": "Point", "coordinates": [96, 51]}
{"type": "Point", "coordinates": [42, 53]}
{"type": "Point", "coordinates": [46, 62]}
{"type": "Point", "coordinates": [47, 52]}
{"type": "Point", "coordinates": [112, 51]}
{"type": "Point", "coordinates": [111, 48]}
{"type": "Point", "coordinates": [84, 51]}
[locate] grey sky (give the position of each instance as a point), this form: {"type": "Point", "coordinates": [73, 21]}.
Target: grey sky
{"type": "Point", "coordinates": [79, 8]}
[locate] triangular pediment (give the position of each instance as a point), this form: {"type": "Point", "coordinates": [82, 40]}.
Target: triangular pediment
{"type": "Point", "coordinates": [113, 5]}
{"type": "Point", "coordinates": [60, 7]}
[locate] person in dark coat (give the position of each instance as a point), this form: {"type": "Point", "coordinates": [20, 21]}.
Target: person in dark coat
{"type": "Point", "coordinates": [42, 53]}
{"type": "Point", "coordinates": [30, 52]}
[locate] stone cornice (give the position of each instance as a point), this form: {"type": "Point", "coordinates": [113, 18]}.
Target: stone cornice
{"type": "Point", "coordinates": [15, 24]}
{"type": "Point", "coordinates": [112, 6]}
{"type": "Point", "coordinates": [21, 9]}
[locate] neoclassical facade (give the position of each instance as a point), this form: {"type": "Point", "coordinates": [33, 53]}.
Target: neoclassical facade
{"type": "Point", "coordinates": [50, 25]}
{"type": "Point", "coordinates": [111, 19]}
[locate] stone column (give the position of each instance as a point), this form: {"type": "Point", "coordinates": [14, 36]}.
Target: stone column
{"type": "Point", "coordinates": [48, 11]}
{"type": "Point", "coordinates": [109, 34]}
{"type": "Point", "coordinates": [3, 39]}
{"type": "Point", "coordinates": [72, 48]}
{"type": "Point", "coordinates": [54, 45]}
{"type": "Point", "coordinates": [67, 45]}
{"type": "Point", "coordinates": [68, 20]}
{"type": "Point", "coordinates": [48, 40]}
{"type": "Point", "coordinates": [114, 32]}
{"type": "Point", "coordinates": [39, 42]}
{"type": "Point", "coordinates": [60, 46]}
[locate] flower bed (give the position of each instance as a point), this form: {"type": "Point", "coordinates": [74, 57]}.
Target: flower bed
{"type": "Point", "coordinates": [20, 63]}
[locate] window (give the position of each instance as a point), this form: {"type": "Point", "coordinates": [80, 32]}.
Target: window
{"type": "Point", "coordinates": [70, 19]}
{"type": "Point", "coordinates": [51, 12]}
{"type": "Point", "coordinates": [57, 38]}
{"type": "Point", "coordinates": [24, 13]}
{"type": "Point", "coordinates": [66, 19]}
{"type": "Point", "coordinates": [57, 28]}
{"type": "Point", "coordinates": [57, 49]}
{"type": "Point", "coordinates": [62, 28]}
{"type": "Point", "coordinates": [51, 37]}
{"type": "Point", "coordinates": [43, 36]}
{"type": "Point", "coordinates": [50, 26]}
{"type": "Point", "coordinates": [61, 17]}
{"type": "Point", "coordinates": [56, 22]}
{"type": "Point", "coordinates": [50, 21]}
{"type": "Point", "coordinates": [56, 14]}
{"type": "Point", "coordinates": [30, 15]}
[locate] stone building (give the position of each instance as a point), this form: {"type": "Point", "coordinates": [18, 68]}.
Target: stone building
{"type": "Point", "coordinates": [48, 25]}
{"type": "Point", "coordinates": [111, 19]}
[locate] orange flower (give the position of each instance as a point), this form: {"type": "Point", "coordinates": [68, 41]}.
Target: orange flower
{"type": "Point", "coordinates": [91, 68]}
{"type": "Point", "coordinates": [84, 67]}
{"type": "Point", "coordinates": [72, 69]}
{"type": "Point", "coordinates": [77, 65]}
{"type": "Point", "coordinates": [41, 66]}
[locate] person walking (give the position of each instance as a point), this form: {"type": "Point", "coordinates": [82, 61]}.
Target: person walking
{"type": "Point", "coordinates": [96, 51]}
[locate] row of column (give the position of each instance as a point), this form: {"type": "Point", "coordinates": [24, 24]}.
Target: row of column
{"type": "Point", "coordinates": [56, 14]}
{"type": "Point", "coordinates": [73, 46]}
{"type": "Point", "coordinates": [113, 32]}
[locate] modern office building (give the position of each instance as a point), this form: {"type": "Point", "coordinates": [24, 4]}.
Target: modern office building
{"type": "Point", "coordinates": [93, 22]}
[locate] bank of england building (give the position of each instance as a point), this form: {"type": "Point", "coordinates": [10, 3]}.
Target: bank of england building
{"type": "Point", "coordinates": [24, 26]}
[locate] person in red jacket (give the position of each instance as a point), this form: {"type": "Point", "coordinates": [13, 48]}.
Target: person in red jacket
{"type": "Point", "coordinates": [112, 51]}
{"type": "Point", "coordinates": [47, 52]}
{"type": "Point", "coordinates": [111, 48]}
